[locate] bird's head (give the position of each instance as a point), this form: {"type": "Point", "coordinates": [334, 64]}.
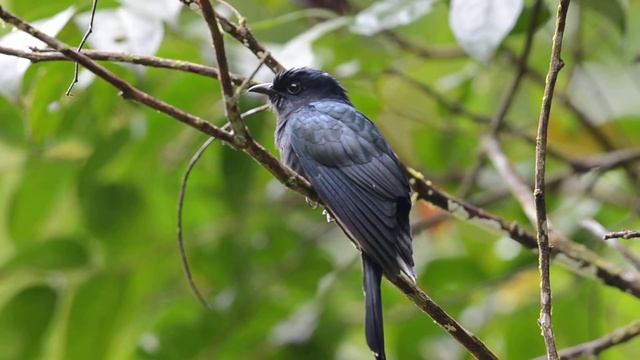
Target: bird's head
{"type": "Point", "coordinates": [300, 86]}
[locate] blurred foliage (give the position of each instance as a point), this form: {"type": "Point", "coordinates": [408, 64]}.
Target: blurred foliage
{"type": "Point", "coordinates": [89, 268]}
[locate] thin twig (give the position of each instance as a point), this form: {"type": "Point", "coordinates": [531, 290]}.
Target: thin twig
{"type": "Point", "coordinates": [555, 64]}
{"type": "Point", "coordinates": [232, 111]}
{"type": "Point", "coordinates": [624, 234]}
{"type": "Point", "coordinates": [472, 343]}
{"type": "Point", "coordinates": [593, 348]}
{"type": "Point", "coordinates": [37, 56]}
{"type": "Point", "coordinates": [611, 240]}
{"type": "Point", "coordinates": [76, 69]}
{"type": "Point", "coordinates": [181, 195]}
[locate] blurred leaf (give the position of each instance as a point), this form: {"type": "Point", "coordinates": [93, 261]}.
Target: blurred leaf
{"type": "Point", "coordinates": [35, 198]}
{"type": "Point", "coordinates": [12, 69]}
{"type": "Point", "coordinates": [111, 209]}
{"type": "Point", "coordinates": [123, 30]}
{"type": "Point", "coordinates": [481, 25]}
{"type": "Point", "coordinates": [524, 20]}
{"type": "Point", "coordinates": [389, 14]}
{"type": "Point", "coordinates": [612, 10]}
{"type": "Point", "coordinates": [24, 321]}
{"type": "Point", "coordinates": [59, 254]}
{"type": "Point", "coordinates": [93, 317]}
{"type": "Point", "coordinates": [606, 91]}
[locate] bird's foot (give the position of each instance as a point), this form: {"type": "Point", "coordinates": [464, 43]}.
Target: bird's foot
{"type": "Point", "coordinates": [311, 203]}
{"type": "Point", "coordinates": [329, 217]}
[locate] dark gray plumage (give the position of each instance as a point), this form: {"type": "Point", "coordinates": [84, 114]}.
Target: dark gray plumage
{"type": "Point", "coordinates": [357, 176]}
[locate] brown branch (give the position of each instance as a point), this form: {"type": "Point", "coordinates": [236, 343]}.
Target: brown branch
{"type": "Point", "coordinates": [611, 240]}
{"type": "Point", "coordinates": [76, 69]}
{"type": "Point", "coordinates": [624, 234]}
{"type": "Point", "coordinates": [149, 61]}
{"type": "Point", "coordinates": [232, 111]}
{"type": "Point", "coordinates": [594, 347]}
{"type": "Point", "coordinates": [472, 343]}
{"type": "Point", "coordinates": [575, 256]}
{"type": "Point", "coordinates": [244, 36]}
{"type": "Point", "coordinates": [544, 251]}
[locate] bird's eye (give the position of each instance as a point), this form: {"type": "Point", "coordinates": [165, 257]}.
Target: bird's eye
{"type": "Point", "coordinates": [294, 88]}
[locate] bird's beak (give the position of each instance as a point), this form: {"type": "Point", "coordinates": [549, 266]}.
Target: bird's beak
{"type": "Point", "coordinates": [265, 88]}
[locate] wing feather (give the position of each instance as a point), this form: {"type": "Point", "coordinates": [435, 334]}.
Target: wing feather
{"type": "Point", "coordinates": [358, 178]}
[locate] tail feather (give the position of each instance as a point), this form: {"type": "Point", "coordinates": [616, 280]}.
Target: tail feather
{"type": "Point", "coordinates": [374, 330]}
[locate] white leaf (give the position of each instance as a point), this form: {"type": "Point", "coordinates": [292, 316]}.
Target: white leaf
{"type": "Point", "coordinates": [12, 69]}
{"type": "Point", "coordinates": [480, 25]}
{"type": "Point", "coordinates": [297, 52]}
{"type": "Point", "coordinates": [123, 30]}
{"type": "Point", "coordinates": [389, 14]}
{"type": "Point", "coordinates": [606, 91]}
{"type": "Point", "coordinates": [164, 10]}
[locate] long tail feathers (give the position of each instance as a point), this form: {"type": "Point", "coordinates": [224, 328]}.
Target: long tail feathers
{"type": "Point", "coordinates": [374, 330]}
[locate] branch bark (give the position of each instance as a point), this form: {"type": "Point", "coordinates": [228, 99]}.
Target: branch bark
{"type": "Point", "coordinates": [544, 252]}
{"type": "Point", "coordinates": [592, 348]}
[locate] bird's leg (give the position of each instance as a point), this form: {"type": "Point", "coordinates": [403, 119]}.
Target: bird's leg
{"type": "Point", "coordinates": [311, 203]}
{"type": "Point", "coordinates": [328, 215]}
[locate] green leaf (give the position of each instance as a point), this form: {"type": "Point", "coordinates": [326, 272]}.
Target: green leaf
{"type": "Point", "coordinates": [92, 319]}
{"type": "Point", "coordinates": [35, 198]}
{"type": "Point", "coordinates": [60, 254]}
{"type": "Point", "coordinates": [524, 21]}
{"type": "Point", "coordinates": [23, 322]}
{"type": "Point", "coordinates": [611, 10]}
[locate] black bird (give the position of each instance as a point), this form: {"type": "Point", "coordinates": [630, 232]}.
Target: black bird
{"type": "Point", "coordinates": [355, 173]}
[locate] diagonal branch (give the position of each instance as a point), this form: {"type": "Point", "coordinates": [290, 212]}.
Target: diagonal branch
{"type": "Point", "coordinates": [100, 55]}
{"type": "Point", "coordinates": [593, 348]}
{"type": "Point", "coordinates": [555, 64]}
{"type": "Point", "coordinates": [232, 110]}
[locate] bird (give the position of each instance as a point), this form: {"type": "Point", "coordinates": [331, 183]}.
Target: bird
{"type": "Point", "coordinates": [355, 174]}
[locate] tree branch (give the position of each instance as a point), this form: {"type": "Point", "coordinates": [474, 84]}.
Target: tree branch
{"type": "Point", "coordinates": [232, 111]}
{"type": "Point", "coordinates": [624, 234]}
{"type": "Point", "coordinates": [99, 55]}
{"type": "Point", "coordinates": [555, 64]}
{"type": "Point", "coordinates": [594, 347]}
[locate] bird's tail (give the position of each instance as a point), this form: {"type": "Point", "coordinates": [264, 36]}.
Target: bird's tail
{"type": "Point", "coordinates": [374, 330]}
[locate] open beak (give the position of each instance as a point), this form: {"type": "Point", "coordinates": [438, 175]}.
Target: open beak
{"type": "Point", "coordinates": [265, 88]}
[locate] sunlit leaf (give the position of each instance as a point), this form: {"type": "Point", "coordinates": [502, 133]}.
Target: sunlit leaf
{"type": "Point", "coordinates": [59, 254]}
{"type": "Point", "coordinates": [481, 25]}
{"type": "Point", "coordinates": [612, 10]}
{"type": "Point", "coordinates": [606, 91]}
{"type": "Point", "coordinates": [24, 321]}
{"type": "Point", "coordinates": [93, 317]}
{"type": "Point", "coordinates": [389, 14]}
{"type": "Point", "coordinates": [12, 69]}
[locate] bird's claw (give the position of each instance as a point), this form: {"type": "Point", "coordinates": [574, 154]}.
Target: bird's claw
{"type": "Point", "coordinates": [329, 217]}
{"type": "Point", "coordinates": [313, 204]}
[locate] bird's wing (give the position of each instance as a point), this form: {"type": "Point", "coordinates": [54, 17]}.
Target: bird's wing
{"type": "Point", "coordinates": [358, 178]}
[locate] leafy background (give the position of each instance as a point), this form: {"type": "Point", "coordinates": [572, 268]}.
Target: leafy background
{"type": "Point", "coordinates": [88, 263]}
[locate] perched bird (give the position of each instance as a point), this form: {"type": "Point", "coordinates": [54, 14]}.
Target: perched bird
{"type": "Point", "coordinates": [356, 175]}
